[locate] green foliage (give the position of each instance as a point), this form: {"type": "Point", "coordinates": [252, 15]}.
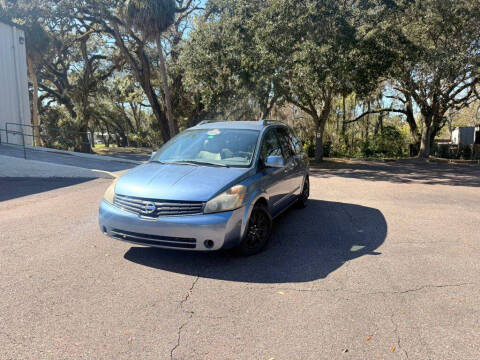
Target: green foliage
{"type": "Point", "coordinates": [438, 57]}
{"type": "Point", "coordinates": [223, 61]}
{"type": "Point", "coordinates": [283, 51]}
{"type": "Point", "coordinates": [448, 151]}
{"type": "Point", "coordinates": [309, 148]}
{"type": "Point", "coordinates": [390, 142]}
{"type": "Point", "coordinates": [314, 64]}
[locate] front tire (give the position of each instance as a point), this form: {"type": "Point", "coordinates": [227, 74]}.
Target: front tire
{"type": "Point", "coordinates": [258, 231]}
{"type": "Point", "coordinates": [303, 199]}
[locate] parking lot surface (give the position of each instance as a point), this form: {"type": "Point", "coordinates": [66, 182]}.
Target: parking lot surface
{"type": "Point", "coordinates": [382, 264]}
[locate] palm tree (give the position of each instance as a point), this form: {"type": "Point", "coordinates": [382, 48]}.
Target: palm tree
{"type": "Point", "coordinates": [152, 18]}
{"type": "Point", "coordinates": [37, 42]}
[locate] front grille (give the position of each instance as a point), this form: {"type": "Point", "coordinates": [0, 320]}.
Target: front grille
{"type": "Point", "coordinates": [154, 240]}
{"type": "Point", "coordinates": [154, 208]}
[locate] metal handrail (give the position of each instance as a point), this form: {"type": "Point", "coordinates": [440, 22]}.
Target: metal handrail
{"type": "Point", "coordinates": [16, 133]}
{"type": "Point", "coordinates": [59, 138]}
{"type": "Point", "coordinates": [45, 128]}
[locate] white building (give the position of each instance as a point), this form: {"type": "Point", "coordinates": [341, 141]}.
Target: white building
{"type": "Point", "coordinates": [14, 97]}
{"type": "Point", "coordinates": [463, 135]}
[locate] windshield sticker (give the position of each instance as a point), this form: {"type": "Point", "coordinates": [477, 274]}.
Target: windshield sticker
{"type": "Point", "coordinates": [214, 132]}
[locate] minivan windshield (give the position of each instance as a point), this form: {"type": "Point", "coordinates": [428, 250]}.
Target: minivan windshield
{"type": "Point", "coordinates": [211, 147]}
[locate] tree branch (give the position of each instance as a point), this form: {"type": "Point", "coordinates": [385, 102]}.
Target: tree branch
{"type": "Point", "coordinates": [376, 111]}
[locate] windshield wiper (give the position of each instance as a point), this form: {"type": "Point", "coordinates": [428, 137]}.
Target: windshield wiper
{"type": "Point", "coordinates": [197, 163]}
{"type": "Point", "coordinates": [181, 163]}
{"type": "Point", "coordinates": [211, 164]}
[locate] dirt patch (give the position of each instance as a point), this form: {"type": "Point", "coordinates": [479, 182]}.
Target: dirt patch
{"type": "Point", "coordinates": [131, 153]}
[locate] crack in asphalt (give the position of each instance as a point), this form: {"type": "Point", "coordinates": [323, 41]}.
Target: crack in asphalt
{"type": "Point", "coordinates": [314, 289]}
{"type": "Point", "coordinates": [392, 316]}
{"type": "Point", "coordinates": [190, 315]}
{"type": "Point", "coordinates": [189, 293]}
{"type": "Point", "coordinates": [432, 287]}
{"type": "Point", "coordinates": [311, 290]}
{"type": "Point", "coordinates": [395, 331]}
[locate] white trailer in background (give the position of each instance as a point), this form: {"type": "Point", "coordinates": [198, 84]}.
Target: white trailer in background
{"type": "Point", "coordinates": [14, 96]}
{"type": "Point", "coordinates": [463, 135]}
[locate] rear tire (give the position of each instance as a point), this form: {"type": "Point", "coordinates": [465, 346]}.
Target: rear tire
{"type": "Point", "coordinates": [258, 231]}
{"type": "Point", "coordinates": [303, 198]}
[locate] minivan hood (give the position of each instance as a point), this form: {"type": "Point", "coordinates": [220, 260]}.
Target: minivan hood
{"type": "Point", "coordinates": [176, 182]}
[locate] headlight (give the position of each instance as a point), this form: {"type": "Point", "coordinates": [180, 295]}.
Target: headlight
{"type": "Point", "coordinates": [229, 200]}
{"type": "Point", "coordinates": [110, 193]}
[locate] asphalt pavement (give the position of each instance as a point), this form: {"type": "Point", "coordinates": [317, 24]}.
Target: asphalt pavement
{"type": "Point", "coordinates": [382, 264]}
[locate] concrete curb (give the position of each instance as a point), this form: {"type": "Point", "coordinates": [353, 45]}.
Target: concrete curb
{"type": "Point", "coordinates": [453, 161]}
{"type": "Point", "coordinates": [18, 168]}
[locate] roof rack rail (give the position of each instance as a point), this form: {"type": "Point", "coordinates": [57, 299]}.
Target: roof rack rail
{"type": "Point", "coordinates": [203, 122]}
{"type": "Point", "coordinates": [270, 122]}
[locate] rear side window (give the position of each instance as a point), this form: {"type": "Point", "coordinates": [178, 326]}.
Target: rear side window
{"type": "Point", "coordinates": [296, 143]}
{"type": "Point", "coordinates": [286, 142]}
{"type": "Point", "coordinates": [270, 146]}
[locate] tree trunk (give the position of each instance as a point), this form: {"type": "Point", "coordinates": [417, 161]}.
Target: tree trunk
{"type": "Point", "coordinates": [319, 145]}
{"type": "Point", "coordinates": [105, 139]}
{"type": "Point", "coordinates": [143, 76]}
{"type": "Point", "coordinates": [83, 145]}
{"type": "Point", "coordinates": [412, 124]}
{"type": "Point", "coordinates": [379, 124]}
{"type": "Point", "coordinates": [166, 89]}
{"type": "Point", "coordinates": [425, 142]}
{"type": "Point", "coordinates": [35, 118]}
{"type": "Point", "coordinates": [321, 121]}
{"type": "Point", "coordinates": [367, 125]}
{"type": "Point", "coordinates": [436, 128]}
{"type": "Point", "coordinates": [344, 123]}
{"type": "Point", "coordinates": [157, 111]}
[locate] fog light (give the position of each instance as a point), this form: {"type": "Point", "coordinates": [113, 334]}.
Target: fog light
{"type": "Point", "coordinates": [208, 244]}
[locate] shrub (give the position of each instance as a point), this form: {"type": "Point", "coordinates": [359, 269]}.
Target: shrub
{"type": "Point", "coordinates": [390, 142]}
{"type": "Point", "coordinates": [309, 148]}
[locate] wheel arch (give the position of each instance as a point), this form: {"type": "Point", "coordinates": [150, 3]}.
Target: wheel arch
{"type": "Point", "coordinates": [259, 197]}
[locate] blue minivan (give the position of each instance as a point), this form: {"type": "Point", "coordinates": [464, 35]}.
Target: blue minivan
{"type": "Point", "coordinates": [217, 185]}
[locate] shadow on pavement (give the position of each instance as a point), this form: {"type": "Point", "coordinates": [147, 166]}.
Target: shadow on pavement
{"type": "Point", "coordinates": [307, 244]}
{"type": "Point", "coordinates": [402, 172]}
{"type": "Point", "coordinates": [12, 188]}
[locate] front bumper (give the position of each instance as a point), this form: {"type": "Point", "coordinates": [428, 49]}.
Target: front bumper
{"type": "Point", "coordinates": [188, 232]}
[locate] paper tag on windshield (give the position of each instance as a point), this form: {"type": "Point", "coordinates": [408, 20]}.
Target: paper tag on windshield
{"type": "Point", "coordinates": [214, 132]}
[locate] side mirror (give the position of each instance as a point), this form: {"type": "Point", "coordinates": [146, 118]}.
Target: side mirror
{"type": "Point", "coordinates": [275, 162]}
{"type": "Point", "coordinates": [153, 154]}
